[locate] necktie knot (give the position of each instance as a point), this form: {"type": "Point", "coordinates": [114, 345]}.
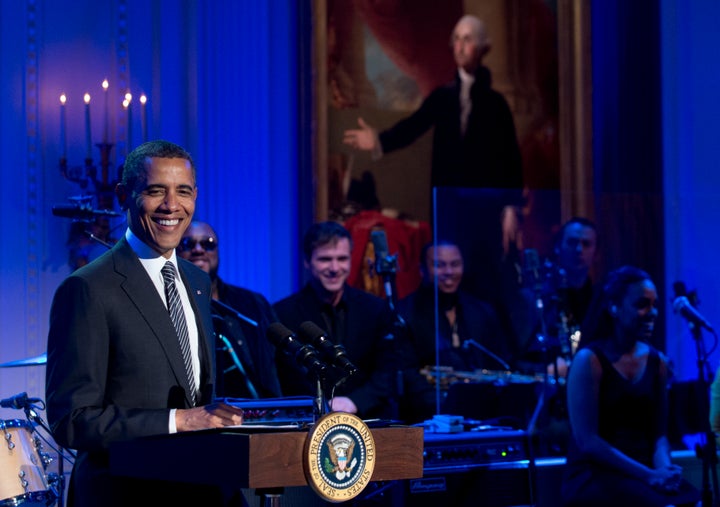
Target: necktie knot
{"type": "Point", "coordinates": [168, 273]}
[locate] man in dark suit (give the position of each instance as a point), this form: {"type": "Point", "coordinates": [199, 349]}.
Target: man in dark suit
{"type": "Point", "coordinates": [117, 368]}
{"type": "Point", "coordinates": [354, 319]}
{"type": "Point", "coordinates": [246, 361]}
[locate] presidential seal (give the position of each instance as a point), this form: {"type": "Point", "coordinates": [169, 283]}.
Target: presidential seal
{"type": "Point", "coordinates": [339, 456]}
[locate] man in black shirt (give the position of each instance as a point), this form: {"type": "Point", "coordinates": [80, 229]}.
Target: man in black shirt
{"type": "Point", "coordinates": [360, 322]}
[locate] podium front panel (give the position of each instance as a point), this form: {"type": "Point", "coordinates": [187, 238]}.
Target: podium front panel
{"type": "Point", "coordinates": [242, 459]}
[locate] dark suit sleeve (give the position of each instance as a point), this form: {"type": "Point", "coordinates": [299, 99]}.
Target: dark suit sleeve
{"type": "Point", "coordinates": [409, 129]}
{"type": "Point", "coordinates": [509, 151]}
{"type": "Point", "coordinates": [81, 353]}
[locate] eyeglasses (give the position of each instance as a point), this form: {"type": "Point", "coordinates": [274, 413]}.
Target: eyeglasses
{"type": "Point", "coordinates": [187, 244]}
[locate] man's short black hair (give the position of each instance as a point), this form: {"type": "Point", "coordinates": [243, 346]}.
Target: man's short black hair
{"type": "Point", "coordinates": [322, 233]}
{"type": "Point", "coordinates": [134, 166]}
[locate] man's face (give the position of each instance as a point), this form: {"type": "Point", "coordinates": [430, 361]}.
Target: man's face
{"type": "Point", "coordinates": [330, 265]}
{"type": "Point", "coordinates": [448, 266]}
{"type": "Point", "coordinates": [199, 245]}
{"type": "Point", "coordinates": [162, 206]}
{"type": "Point", "coordinates": [578, 248]}
{"type": "Point", "coordinates": [466, 46]}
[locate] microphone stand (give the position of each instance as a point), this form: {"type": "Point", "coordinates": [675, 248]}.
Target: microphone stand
{"type": "Point", "coordinates": [320, 403]}
{"type": "Point", "coordinates": [222, 308]}
{"type": "Point", "coordinates": [386, 267]}
{"type": "Point", "coordinates": [541, 402]}
{"type": "Point", "coordinates": [221, 333]}
{"type": "Point", "coordinates": [707, 451]}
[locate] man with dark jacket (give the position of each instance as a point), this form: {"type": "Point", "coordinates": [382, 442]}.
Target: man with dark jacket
{"type": "Point", "coordinates": [356, 320]}
{"type": "Point", "coordinates": [129, 351]}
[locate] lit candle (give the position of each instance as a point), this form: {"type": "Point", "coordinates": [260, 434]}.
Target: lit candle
{"type": "Point", "coordinates": [128, 100]}
{"type": "Point", "coordinates": [88, 137]}
{"type": "Point", "coordinates": [143, 117]}
{"type": "Point", "coordinates": [63, 138]}
{"type": "Point", "coordinates": [105, 86]}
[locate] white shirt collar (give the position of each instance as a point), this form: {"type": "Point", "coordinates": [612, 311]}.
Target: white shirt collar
{"type": "Point", "coordinates": [148, 257]}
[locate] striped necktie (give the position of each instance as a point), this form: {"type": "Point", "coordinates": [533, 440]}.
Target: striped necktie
{"type": "Point", "coordinates": [177, 315]}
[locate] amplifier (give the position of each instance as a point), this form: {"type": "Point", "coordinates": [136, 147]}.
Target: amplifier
{"type": "Point", "coordinates": [473, 468]}
{"type": "Point", "coordinates": [470, 449]}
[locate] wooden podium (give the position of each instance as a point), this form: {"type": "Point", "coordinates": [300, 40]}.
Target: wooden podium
{"type": "Point", "coordinates": [244, 457]}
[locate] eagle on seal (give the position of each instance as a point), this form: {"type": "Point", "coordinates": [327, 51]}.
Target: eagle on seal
{"type": "Point", "coordinates": [341, 449]}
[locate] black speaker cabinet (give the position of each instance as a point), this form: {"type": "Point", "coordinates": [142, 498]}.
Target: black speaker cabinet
{"type": "Point", "coordinates": [479, 487]}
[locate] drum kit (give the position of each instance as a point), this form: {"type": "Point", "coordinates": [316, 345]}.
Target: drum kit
{"type": "Point", "coordinates": [25, 476]}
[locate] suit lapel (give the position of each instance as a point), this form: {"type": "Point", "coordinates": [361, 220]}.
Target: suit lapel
{"type": "Point", "coordinates": [142, 292]}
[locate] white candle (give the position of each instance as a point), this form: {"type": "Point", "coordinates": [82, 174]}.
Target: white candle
{"type": "Point", "coordinates": [88, 136]}
{"type": "Point", "coordinates": [143, 117]}
{"type": "Point", "coordinates": [63, 137]}
{"type": "Point", "coordinates": [105, 86]}
{"type": "Point", "coordinates": [128, 100]}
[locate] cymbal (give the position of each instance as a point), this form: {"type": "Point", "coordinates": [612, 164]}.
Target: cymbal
{"type": "Point", "coordinates": [30, 361]}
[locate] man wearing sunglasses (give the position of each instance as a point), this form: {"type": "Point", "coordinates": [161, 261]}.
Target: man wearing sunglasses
{"type": "Point", "coordinates": [245, 358]}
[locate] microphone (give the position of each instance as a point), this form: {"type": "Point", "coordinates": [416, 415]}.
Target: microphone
{"type": "Point", "coordinates": [335, 354]}
{"type": "Point", "coordinates": [82, 212]}
{"type": "Point", "coordinates": [305, 355]}
{"type": "Point", "coordinates": [384, 262]}
{"type": "Point", "coordinates": [681, 305]}
{"type": "Point", "coordinates": [18, 401]}
{"type": "Point", "coordinates": [470, 341]}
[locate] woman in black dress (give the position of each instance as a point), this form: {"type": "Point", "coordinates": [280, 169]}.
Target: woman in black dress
{"type": "Point", "coordinates": [617, 403]}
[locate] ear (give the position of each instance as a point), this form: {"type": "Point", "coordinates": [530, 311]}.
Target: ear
{"type": "Point", "coordinates": [122, 196]}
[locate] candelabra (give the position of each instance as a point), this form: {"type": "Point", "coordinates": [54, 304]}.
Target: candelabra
{"type": "Point", "coordinates": [84, 175]}
{"type": "Point", "coordinates": [90, 232]}
{"type": "Point", "coordinates": [90, 228]}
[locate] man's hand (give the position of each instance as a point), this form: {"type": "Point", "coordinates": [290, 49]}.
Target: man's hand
{"type": "Point", "coordinates": [365, 138]}
{"type": "Point", "coordinates": [216, 415]}
{"type": "Point", "coordinates": [343, 404]}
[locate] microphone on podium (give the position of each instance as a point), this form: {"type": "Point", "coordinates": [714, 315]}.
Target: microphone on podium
{"type": "Point", "coordinates": [334, 354]}
{"type": "Point", "coordinates": [305, 355]}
